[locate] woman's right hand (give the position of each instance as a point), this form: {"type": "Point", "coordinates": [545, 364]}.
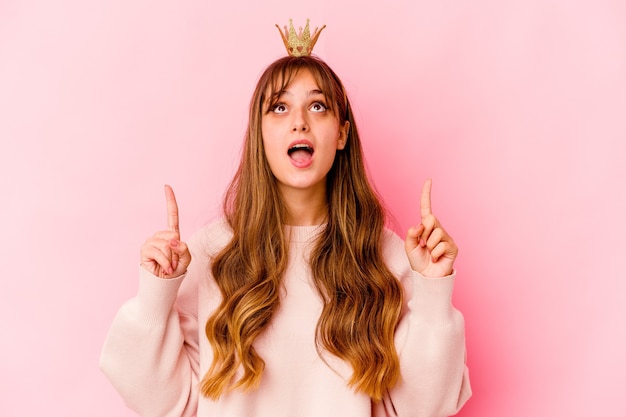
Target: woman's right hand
{"type": "Point", "coordinates": [164, 254]}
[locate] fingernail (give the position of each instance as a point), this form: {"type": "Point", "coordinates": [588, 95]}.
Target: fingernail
{"type": "Point", "coordinates": [173, 243]}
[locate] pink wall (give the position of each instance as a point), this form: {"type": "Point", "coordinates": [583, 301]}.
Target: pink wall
{"type": "Point", "coordinates": [516, 108]}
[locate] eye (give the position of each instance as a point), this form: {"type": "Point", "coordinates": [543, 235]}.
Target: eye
{"type": "Point", "coordinates": [318, 107]}
{"type": "Point", "coordinates": [279, 108]}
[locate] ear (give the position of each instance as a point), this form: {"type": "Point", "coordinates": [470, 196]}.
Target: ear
{"type": "Point", "coordinates": [343, 135]}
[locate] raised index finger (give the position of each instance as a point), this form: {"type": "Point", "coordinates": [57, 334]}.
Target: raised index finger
{"type": "Point", "coordinates": [425, 208]}
{"type": "Point", "coordinates": [172, 210]}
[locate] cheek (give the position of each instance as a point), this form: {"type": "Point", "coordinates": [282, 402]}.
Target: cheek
{"type": "Point", "coordinates": [271, 149]}
{"type": "Point", "coordinates": [334, 133]}
{"type": "Point", "coordinates": [270, 131]}
{"type": "Point", "coordinates": [266, 137]}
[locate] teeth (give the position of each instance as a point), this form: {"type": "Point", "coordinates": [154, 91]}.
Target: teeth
{"type": "Point", "coordinates": [300, 147]}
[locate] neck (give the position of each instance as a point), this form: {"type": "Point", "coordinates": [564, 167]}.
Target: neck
{"type": "Point", "coordinates": [305, 207]}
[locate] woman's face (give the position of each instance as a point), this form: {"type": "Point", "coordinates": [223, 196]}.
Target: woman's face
{"type": "Point", "coordinates": [301, 136]}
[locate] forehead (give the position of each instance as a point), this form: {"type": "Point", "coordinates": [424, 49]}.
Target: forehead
{"type": "Point", "coordinates": [285, 82]}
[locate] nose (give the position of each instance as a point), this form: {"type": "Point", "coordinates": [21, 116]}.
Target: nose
{"type": "Point", "coordinates": [299, 122]}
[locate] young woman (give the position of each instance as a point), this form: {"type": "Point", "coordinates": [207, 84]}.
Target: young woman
{"type": "Point", "coordinates": [298, 302]}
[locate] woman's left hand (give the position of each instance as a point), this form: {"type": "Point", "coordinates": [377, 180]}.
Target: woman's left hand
{"type": "Point", "coordinates": [430, 248]}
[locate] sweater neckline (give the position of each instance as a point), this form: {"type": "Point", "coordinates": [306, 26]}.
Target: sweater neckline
{"type": "Point", "coordinates": [303, 233]}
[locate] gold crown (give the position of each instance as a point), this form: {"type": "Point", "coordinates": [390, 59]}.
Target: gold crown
{"type": "Point", "coordinates": [300, 44]}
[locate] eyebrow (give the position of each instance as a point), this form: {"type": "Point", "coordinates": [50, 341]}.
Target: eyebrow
{"type": "Point", "coordinates": [276, 97]}
{"type": "Point", "coordinates": [308, 94]}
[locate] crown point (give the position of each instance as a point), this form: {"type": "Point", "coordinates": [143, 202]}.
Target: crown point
{"type": "Point", "coordinates": [301, 43]}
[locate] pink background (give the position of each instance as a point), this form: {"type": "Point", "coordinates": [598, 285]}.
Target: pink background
{"type": "Point", "coordinates": [516, 108]}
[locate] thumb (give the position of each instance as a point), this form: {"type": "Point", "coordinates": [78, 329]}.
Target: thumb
{"type": "Point", "coordinates": [180, 248]}
{"type": "Point", "coordinates": [413, 237]}
{"type": "Point", "coordinates": [415, 248]}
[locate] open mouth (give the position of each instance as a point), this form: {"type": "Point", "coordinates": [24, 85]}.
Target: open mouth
{"type": "Point", "coordinates": [300, 152]}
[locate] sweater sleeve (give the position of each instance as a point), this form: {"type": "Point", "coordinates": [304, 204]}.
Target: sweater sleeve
{"type": "Point", "coordinates": [430, 339]}
{"type": "Point", "coordinates": [151, 352]}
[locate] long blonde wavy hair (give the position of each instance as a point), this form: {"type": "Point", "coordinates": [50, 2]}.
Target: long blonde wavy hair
{"type": "Point", "coordinates": [346, 263]}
